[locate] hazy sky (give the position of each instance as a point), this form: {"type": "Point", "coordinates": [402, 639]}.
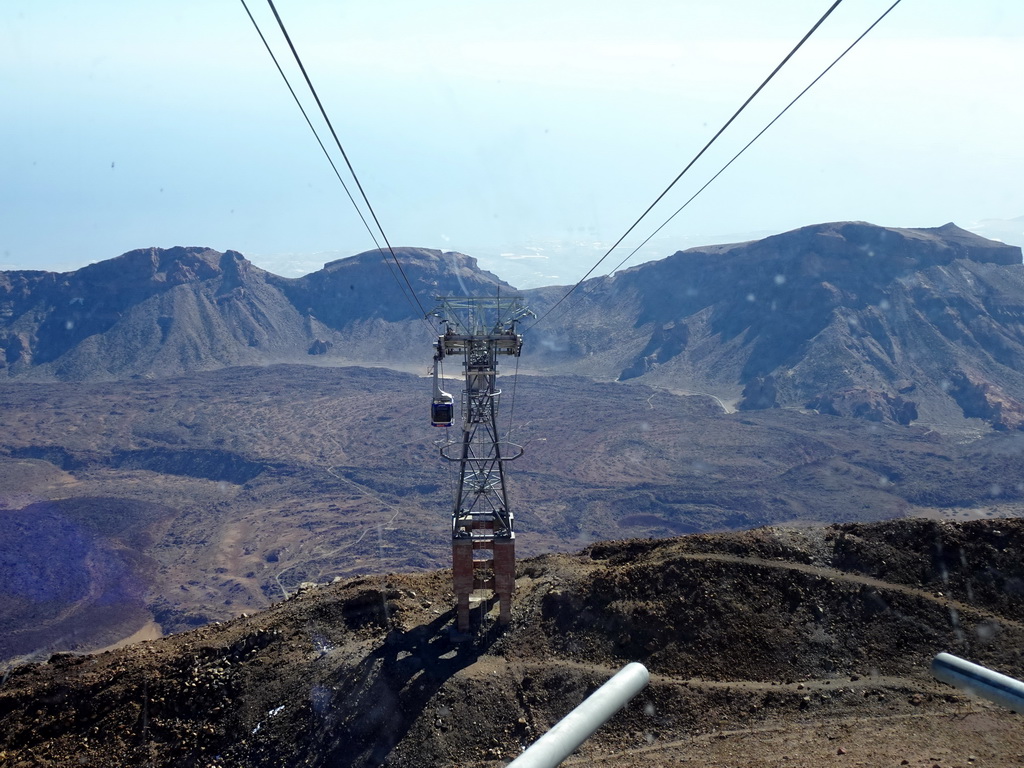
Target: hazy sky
{"type": "Point", "coordinates": [528, 134]}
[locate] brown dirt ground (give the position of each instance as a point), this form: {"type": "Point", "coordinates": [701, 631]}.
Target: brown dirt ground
{"type": "Point", "coordinates": [196, 499]}
{"type": "Point", "coordinates": [774, 647]}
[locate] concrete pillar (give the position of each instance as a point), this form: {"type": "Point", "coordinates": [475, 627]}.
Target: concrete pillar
{"type": "Point", "coordinates": [505, 576]}
{"type": "Point", "coordinates": [463, 575]}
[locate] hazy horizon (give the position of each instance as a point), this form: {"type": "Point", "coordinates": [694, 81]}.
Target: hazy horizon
{"type": "Point", "coordinates": [530, 140]}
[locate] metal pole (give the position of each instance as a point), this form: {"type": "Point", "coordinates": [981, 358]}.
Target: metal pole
{"type": "Point", "coordinates": [576, 727]}
{"type": "Point", "coordinates": [480, 330]}
{"type": "Point", "coordinates": [979, 680]}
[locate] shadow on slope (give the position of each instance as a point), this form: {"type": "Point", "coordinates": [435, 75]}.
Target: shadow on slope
{"type": "Point", "coordinates": [767, 629]}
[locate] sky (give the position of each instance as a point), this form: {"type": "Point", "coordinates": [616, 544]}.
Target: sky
{"type": "Point", "coordinates": [530, 134]}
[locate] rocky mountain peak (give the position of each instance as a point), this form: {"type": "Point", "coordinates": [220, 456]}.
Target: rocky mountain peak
{"type": "Point", "coordinates": [835, 317]}
{"type": "Point", "coordinates": [370, 286]}
{"type": "Point", "coordinates": [848, 318]}
{"type": "Point", "coordinates": [173, 266]}
{"type": "Point", "coordinates": [836, 251]}
{"type": "Point", "coordinates": [425, 264]}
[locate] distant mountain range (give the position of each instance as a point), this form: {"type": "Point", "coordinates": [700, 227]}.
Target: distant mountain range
{"type": "Point", "coordinates": [156, 312]}
{"type": "Point", "coordinates": [846, 318]}
{"type": "Point", "coordinates": [893, 325]}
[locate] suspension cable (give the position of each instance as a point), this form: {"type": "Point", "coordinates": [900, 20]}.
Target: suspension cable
{"type": "Point", "coordinates": [310, 124]}
{"type": "Point", "coordinates": [512, 403]}
{"type": "Point", "coordinates": [327, 154]}
{"type": "Point", "coordinates": [759, 134]}
{"type": "Point", "coordinates": [689, 165]}
{"type": "Point", "coordinates": [337, 141]}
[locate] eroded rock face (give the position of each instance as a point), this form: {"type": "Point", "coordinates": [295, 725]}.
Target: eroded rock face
{"type": "Point", "coordinates": [760, 393]}
{"type": "Point", "coordinates": [982, 399]}
{"type": "Point", "coordinates": [164, 312]}
{"type": "Point", "coordinates": [15, 350]}
{"type": "Point", "coordinates": [134, 300]}
{"type": "Point", "coordinates": [320, 347]}
{"type": "Point", "coordinates": [846, 317]}
{"type": "Point", "coordinates": [866, 404]}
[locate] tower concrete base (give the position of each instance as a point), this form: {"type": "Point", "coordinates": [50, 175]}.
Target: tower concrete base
{"type": "Point", "coordinates": [466, 574]}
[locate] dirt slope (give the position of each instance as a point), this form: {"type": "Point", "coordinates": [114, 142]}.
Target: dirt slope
{"type": "Point", "coordinates": [796, 647]}
{"type": "Point", "coordinates": [185, 501]}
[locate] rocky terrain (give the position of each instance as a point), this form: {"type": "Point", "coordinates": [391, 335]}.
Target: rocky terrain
{"type": "Point", "coordinates": [779, 646]}
{"type": "Point", "coordinates": [162, 312]}
{"type": "Point", "coordinates": [897, 325]}
{"type": "Point", "coordinates": [884, 324]}
{"type": "Point", "coordinates": [186, 440]}
{"type": "Point", "coordinates": [159, 505]}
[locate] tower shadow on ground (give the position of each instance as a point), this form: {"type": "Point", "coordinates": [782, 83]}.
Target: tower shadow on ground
{"type": "Point", "coordinates": [378, 700]}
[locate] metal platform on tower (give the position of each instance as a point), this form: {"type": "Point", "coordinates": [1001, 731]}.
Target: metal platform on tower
{"type": "Point", "coordinates": [479, 330]}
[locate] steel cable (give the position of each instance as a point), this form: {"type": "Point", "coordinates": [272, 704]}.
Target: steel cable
{"type": "Point", "coordinates": [689, 165]}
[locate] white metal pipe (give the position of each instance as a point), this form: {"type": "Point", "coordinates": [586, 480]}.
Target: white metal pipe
{"type": "Point", "coordinates": [981, 681]}
{"type": "Point", "coordinates": [576, 727]}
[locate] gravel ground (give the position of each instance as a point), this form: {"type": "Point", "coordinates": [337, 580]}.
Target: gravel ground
{"type": "Point", "coordinates": [774, 647]}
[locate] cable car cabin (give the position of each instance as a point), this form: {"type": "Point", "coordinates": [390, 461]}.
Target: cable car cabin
{"type": "Point", "coordinates": [441, 413]}
{"type": "Point", "coordinates": [441, 409]}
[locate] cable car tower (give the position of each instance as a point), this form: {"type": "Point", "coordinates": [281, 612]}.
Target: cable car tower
{"type": "Point", "coordinates": [483, 536]}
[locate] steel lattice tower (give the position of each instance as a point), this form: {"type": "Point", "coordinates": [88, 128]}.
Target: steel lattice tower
{"type": "Point", "coordinates": [480, 330]}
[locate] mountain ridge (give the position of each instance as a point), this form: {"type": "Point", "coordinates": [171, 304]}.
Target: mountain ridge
{"type": "Point", "coordinates": [156, 312]}
{"type": "Point", "coordinates": [835, 317]}
{"type": "Point", "coordinates": [848, 318]}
